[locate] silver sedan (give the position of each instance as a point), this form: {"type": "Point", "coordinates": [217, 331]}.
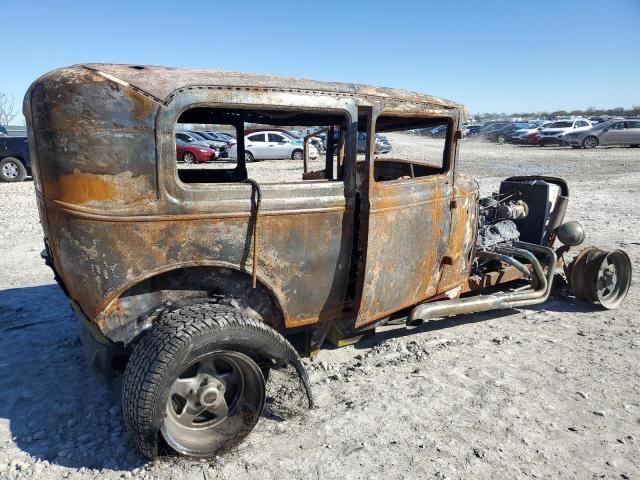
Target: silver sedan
{"type": "Point", "coordinates": [613, 132]}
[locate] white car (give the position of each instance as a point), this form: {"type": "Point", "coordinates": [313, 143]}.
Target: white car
{"type": "Point", "coordinates": [521, 135]}
{"type": "Point", "coordinates": [554, 133]}
{"type": "Point", "coordinates": [270, 145]}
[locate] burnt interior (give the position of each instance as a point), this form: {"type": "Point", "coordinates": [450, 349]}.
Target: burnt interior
{"type": "Point", "coordinates": [333, 127]}
{"type": "Point", "coordinates": [242, 120]}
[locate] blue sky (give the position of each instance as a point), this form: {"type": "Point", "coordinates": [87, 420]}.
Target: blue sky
{"type": "Point", "coordinates": [493, 56]}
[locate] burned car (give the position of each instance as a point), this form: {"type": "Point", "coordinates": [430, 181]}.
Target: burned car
{"type": "Point", "coordinates": [197, 279]}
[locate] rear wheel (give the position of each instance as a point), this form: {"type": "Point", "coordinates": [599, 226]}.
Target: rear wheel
{"type": "Point", "coordinates": [590, 142]}
{"type": "Point", "coordinates": [196, 379]}
{"type": "Point", "coordinates": [501, 139]}
{"type": "Point", "coordinates": [12, 170]}
{"type": "Point", "coordinates": [248, 157]}
{"type": "Point", "coordinates": [189, 157]}
{"type": "Point", "coordinates": [297, 155]}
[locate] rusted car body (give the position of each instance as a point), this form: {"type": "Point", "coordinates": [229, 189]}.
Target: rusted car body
{"type": "Point", "coordinates": [127, 234]}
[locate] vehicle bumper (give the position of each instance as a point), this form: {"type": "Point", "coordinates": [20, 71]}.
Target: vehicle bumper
{"type": "Point", "coordinates": [205, 157]}
{"type": "Point", "coordinates": [551, 141]}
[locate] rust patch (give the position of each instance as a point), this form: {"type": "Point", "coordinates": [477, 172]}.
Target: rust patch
{"type": "Point", "coordinates": [142, 107]}
{"type": "Point", "coordinates": [80, 188]}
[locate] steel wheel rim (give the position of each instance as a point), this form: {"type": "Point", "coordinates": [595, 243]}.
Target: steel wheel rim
{"type": "Point", "coordinates": [10, 170]}
{"type": "Point", "coordinates": [215, 399]}
{"type": "Point", "coordinates": [613, 279]}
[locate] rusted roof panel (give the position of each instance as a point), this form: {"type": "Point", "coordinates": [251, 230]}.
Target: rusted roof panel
{"type": "Point", "coordinates": [162, 82]}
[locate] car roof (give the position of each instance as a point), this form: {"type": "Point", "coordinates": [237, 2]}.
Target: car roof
{"type": "Point", "coordinates": [163, 83]}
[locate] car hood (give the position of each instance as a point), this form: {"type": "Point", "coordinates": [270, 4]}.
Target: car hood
{"type": "Point", "coordinates": [524, 131]}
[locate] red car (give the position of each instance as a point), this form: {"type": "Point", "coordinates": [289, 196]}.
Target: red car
{"type": "Point", "coordinates": [193, 153]}
{"type": "Point", "coordinates": [532, 138]}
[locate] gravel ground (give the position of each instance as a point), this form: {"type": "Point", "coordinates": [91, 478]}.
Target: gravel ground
{"type": "Point", "coordinates": [551, 391]}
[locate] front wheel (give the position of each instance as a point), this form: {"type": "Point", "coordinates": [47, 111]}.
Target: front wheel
{"type": "Point", "coordinates": [12, 170]}
{"type": "Point", "coordinates": [196, 378]}
{"type": "Point", "coordinates": [590, 142]}
{"type": "Point", "coordinates": [297, 155]}
{"type": "Point", "coordinates": [501, 139]}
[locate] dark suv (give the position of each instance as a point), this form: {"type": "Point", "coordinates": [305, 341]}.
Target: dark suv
{"type": "Point", "coordinates": [14, 158]}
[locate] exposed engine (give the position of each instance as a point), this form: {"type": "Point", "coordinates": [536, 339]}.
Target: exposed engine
{"type": "Point", "coordinates": [525, 209]}
{"type": "Point", "coordinates": [496, 219]}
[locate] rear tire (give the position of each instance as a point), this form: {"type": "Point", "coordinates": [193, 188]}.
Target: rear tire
{"type": "Point", "coordinates": [189, 158]}
{"type": "Point", "coordinates": [297, 155]}
{"type": "Point", "coordinates": [12, 170]}
{"type": "Point", "coordinates": [248, 157]}
{"type": "Point", "coordinates": [501, 139]}
{"type": "Point", "coordinates": [173, 373]}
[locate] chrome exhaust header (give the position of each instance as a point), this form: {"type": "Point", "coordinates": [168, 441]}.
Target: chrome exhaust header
{"type": "Point", "coordinates": [538, 293]}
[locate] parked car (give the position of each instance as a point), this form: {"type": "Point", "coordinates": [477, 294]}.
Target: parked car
{"type": "Point", "coordinates": [522, 135]}
{"type": "Point", "coordinates": [437, 132]}
{"type": "Point", "coordinates": [490, 127]}
{"type": "Point", "coordinates": [471, 130]}
{"type": "Point", "coordinates": [15, 162]}
{"type": "Point", "coordinates": [220, 146]}
{"type": "Point", "coordinates": [554, 133]}
{"type": "Point", "coordinates": [613, 132]}
{"type": "Point", "coordinates": [189, 153]}
{"type": "Point", "coordinates": [382, 143]}
{"type": "Point", "coordinates": [228, 140]}
{"type": "Point", "coordinates": [502, 134]}
{"type": "Point", "coordinates": [270, 145]}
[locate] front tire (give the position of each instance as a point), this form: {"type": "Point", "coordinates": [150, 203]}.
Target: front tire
{"type": "Point", "coordinates": [12, 170]}
{"type": "Point", "coordinates": [297, 155]}
{"type": "Point", "coordinates": [590, 142]}
{"type": "Point", "coordinates": [501, 139]}
{"type": "Point", "coordinates": [196, 379]}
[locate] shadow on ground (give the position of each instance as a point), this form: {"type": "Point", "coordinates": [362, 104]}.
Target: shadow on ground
{"type": "Point", "coordinates": [557, 305]}
{"type": "Point", "coordinates": [56, 408]}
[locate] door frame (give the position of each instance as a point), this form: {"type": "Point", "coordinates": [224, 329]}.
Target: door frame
{"type": "Point", "coordinates": [374, 188]}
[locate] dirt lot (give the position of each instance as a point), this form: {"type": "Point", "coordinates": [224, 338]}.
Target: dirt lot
{"type": "Point", "coordinates": [545, 392]}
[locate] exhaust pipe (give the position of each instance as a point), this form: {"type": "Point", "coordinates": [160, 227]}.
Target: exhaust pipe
{"type": "Point", "coordinates": [541, 286]}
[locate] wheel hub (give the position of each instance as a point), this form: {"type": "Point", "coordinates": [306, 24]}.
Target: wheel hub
{"type": "Point", "coordinates": [211, 395]}
{"type": "Point", "coordinates": [10, 170]}
{"type": "Point", "coordinates": [209, 400]}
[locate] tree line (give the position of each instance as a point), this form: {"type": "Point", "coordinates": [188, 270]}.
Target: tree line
{"type": "Point", "coordinates": [589, 112]}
